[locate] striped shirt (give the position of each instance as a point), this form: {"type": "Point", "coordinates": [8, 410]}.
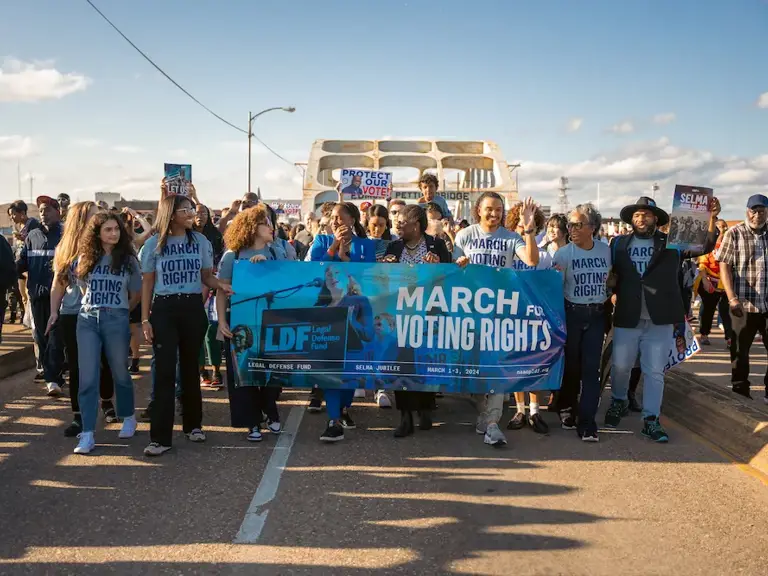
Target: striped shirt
{"type": "Point", "coordinates": [746, 251]}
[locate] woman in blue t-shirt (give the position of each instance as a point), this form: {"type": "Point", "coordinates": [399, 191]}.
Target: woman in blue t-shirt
{"type": "Point", "coordinates": [250, 236]}
{"type": "Point", "coordinates": [66, 298]}
{"type": "Point", "coordinates": [108, 271]}
{"type": "Point", "coordinates": [347, 244]}
{"type": "Point", "coordinates": [176, 262]}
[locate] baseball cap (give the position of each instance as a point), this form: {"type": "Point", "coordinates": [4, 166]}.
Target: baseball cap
{"type": "Point", "coordinates": [47, 200]}
{"type": "Point", "coordinates": [757, 200]}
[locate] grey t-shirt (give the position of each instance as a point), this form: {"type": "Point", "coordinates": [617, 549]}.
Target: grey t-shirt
{"type": "Point", "coordinates": [496, 249]}
{"type": "Point", "coordinates": [228, 260]}
{"type": "Point", "coordinates": [641, 252]}
{"type": "Point", "coordinates": [585, 272]}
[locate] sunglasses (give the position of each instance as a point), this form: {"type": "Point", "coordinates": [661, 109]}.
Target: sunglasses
{"type": "Point", "coordinates": [185, 210]}
{"type": "Point", "coordinates": [575, 225]}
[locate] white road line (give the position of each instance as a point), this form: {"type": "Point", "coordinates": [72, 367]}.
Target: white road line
{"type": "Point", "coordinates": [256, 515]}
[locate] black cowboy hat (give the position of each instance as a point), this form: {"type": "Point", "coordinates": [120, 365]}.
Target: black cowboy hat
{"type": "Point", "coordinates": [644, 203]}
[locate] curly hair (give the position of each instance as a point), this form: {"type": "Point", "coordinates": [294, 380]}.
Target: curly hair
{"type": "Point", "coordinates": [91, 249]}
{"type": "Point", "coordinates": [67, 249]}
{"type": "Point", "coordinates": [241, 233]}
{"type": "Point", "coordinates": [428, 178]}
{"type": "Point", "coordinates": [483, 196]}
{"type": "Point", "coordinates": [513, 218]}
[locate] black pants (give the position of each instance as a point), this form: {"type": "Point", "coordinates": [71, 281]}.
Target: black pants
{"type": "Point", "coordinates": [414, 401]}
{"type": "Point", "coordinates": [744, 330]}
{"type": "Point", "coordinates": [67, 323]}
{"type": "Point", "coordinates": [3, 306]}
{"type": "Point", "coordinates": [15, 302]}
{"type": "Point", "coordinates": [710, 302]}
{"type": "Point", "coordinates": [583, 347]}
{"type": "Point", "coordinates": [247, 403]}
{"type": "Point", "coordinates": [179, 323]}
{"type": "Point", "coordinates": [50, 347]}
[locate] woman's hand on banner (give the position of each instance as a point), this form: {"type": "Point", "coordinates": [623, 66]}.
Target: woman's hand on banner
{"type": "Point", "coordinates": [462, 261]}
{"type": "Point", "coordinates": [224, 329]}
{"type": "Point", "coordinates": [258, 258]}
{"type": "Point", "coordinates": [389, 258]}
{"type": "Point", "coordinates": [431, 258]}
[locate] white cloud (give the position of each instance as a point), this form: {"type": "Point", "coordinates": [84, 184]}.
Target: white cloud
{"type": "Point", "coordinates": [87, 142]}
{"type": "Point", "coordinates": [127, 149]}
{"type": "Point", "coordinates": [664, 118]}
{"type": "Point", "coordinates": [762, 101]}
{"type": "Point", "coordinates": [178, 153]}
{"type": "Point", "coordinates": [574, 124]}
{"type": "Point", "coordinates": [628, 172]}
{"type": "Point", "coordinates": [625, 127]}
{"type": "Point", "coordinates": [36, 81]}
{"type": "Point", "coordinates": [16, 147]}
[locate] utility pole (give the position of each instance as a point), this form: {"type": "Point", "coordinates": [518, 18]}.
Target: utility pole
{"type": "Point", "coordinates": [31, 187]}
{"type": "Point", "coordinates": [654, 189]}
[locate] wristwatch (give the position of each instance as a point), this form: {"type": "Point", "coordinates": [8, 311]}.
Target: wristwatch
{"type": "Point", "coordinates": [531, 231]}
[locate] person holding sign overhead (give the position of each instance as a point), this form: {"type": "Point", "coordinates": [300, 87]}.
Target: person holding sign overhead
{"type": "Point", "coordinates": [176, 262]}
{"type": "Point", "coordinates": [488, 243]}
{"type": "Point", "coordinates": [108, 268]}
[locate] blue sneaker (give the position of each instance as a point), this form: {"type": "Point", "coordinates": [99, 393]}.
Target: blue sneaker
{"type": "Point", "coordinates": [654, 430]}
{"type": "Point", "coordinates": [614, 414]}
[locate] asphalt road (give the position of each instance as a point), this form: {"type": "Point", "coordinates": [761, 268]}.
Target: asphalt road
{"type": "Point", "coordinates": [440, 502]}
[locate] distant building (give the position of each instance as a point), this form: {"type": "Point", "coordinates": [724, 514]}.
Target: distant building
{"type": "Point", "coordinates": [109, 198]}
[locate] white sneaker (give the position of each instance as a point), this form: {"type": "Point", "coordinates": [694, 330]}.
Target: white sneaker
{"type": "Point", "coordinates": [54, 390]}
{"type": "Point", "coordinates": [155, 449]}
{"type": "Point", "coordinates": [360, 393]}
{"type": "Point", "coordinates": [274, 427]}
{"type": "Point", "coordinates": [254, 435]}
{"type": "Point", "coordinates": [196, 435]}
{"type": "Point", "coordinates": [494, 436]}
{"type": "Point", "coordinates": [382, 400]}
{"type": "Point", "coordinates": [86, 444]}
{"type": "Point", "coordinates": [129, 427]}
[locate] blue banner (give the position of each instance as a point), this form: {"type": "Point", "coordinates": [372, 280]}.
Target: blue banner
{"type": "Point", "coordinates": [429, 327]}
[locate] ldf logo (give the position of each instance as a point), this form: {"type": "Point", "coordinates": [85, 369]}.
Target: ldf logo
{"type": "Point", "coordinates": [286, 338]}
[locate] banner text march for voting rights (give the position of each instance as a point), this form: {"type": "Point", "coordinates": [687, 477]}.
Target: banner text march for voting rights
{"type": "Point", "coordinates": [365, 184]}
{"type": "Point", "coordinates": [431, 327]}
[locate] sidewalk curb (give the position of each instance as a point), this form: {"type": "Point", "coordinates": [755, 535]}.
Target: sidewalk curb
{"type": "Point", "coordinates": [718, 415]}
{"type": "Point", "coordinates": [17, 361]}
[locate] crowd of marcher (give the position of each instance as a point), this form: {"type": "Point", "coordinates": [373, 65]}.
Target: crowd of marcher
{"type": "Point", "coordinates": [95, 284]}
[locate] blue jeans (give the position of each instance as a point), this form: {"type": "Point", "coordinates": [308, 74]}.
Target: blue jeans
{"type": "Point", "coordinates": [652, 342]}
{"type": "Point", "coordinates": [336, 399]}
{"type": "Point", "coordinates": [583, 348]}
{"type": "Point", "coordinates": [107, 330]}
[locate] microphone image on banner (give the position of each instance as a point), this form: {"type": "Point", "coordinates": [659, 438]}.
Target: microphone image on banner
{"type": "Point", "coordinates": [269, 297]}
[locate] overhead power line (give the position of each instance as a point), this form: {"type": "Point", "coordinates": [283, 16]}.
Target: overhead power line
{"type": "Point", "coordinates": [180, 87]}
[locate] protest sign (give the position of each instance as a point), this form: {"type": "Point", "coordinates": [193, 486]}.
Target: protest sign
{"type": "Point", "coordinates": [689, 221]}
{"type": "Point", "coordinates": [359, 184]}
{"type": "Point", "coordinates": [287, 208]}
{"type": "Point", "coordinates": [177, 178]}
{"type": "Point", "coordinates": [434, 327]}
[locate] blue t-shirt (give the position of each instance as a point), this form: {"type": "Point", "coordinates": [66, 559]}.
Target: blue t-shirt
{"type": "Point", "coordinates": [585, 272]}
{"type": "Point", "coordinates": [361, 249]}
{"type": "Point", "coordinates": [73, 295]}
{"type": "Point", "coordinates": [641, 252]}
{"type": "Point", "coordinates": [497, 248]}
{"type": "Point", "coordinates": [177, 269]}
{"type": "Point", "coordinates": [228, 260]}
{"type": "Point", "coordinates": [105, 288]}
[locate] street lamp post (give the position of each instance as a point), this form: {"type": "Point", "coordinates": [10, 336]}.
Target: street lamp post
{"type": "Point", "coordinates": [251, 118]}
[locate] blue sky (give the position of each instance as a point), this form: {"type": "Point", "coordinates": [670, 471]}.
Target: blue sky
{"type": "Point", "coordinates": [513, 72]}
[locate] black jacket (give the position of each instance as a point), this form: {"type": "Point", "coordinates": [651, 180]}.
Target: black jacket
{"type": "Point", "coordinates": [659, 284]}
{"type": "Point", "coordinates": [36, 259]}
{"type": "Point", "coordinates": [434, 245]}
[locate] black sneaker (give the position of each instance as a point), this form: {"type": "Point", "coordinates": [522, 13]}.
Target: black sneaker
{"type": "Point", "coordinates": [346, 420]}
{"type": "Point", "coordinates": [654, 430]}
{"type": "Point", "coordinates": [73, 429]}
{"type": "Point", "coordinates": [518, 422]}
{"type": "Point", "coordinates": [110, 416]}
{"type": "Point", "coordinates": [742, 389]}
{"type": "Point", "coordinates": [589, 435]}
{"type": "Point", "coordinates": [567, 421]}
{"type": "Point", "coordinates": [315, 404]}
{"type": "Point", "coordinates": [537, 423]}
{"type": "Point", "coordinates": [146, 414]}
{"type": "Point", "coordinates": [634, 405]}
{"type": "Point", "coordinates": [614, 414]}
{"type": "Point", "coordinates": [134, 367]}
{"type": "Point", "coordinates": [334, 432]}
{"type": "Point", "coordinates": [39, 377]}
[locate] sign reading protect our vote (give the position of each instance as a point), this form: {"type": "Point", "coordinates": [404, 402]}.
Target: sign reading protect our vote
{"type": "Point", "coordinates": [358, 184]}
{"type": "Point", "coordinates": [431, 327]}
